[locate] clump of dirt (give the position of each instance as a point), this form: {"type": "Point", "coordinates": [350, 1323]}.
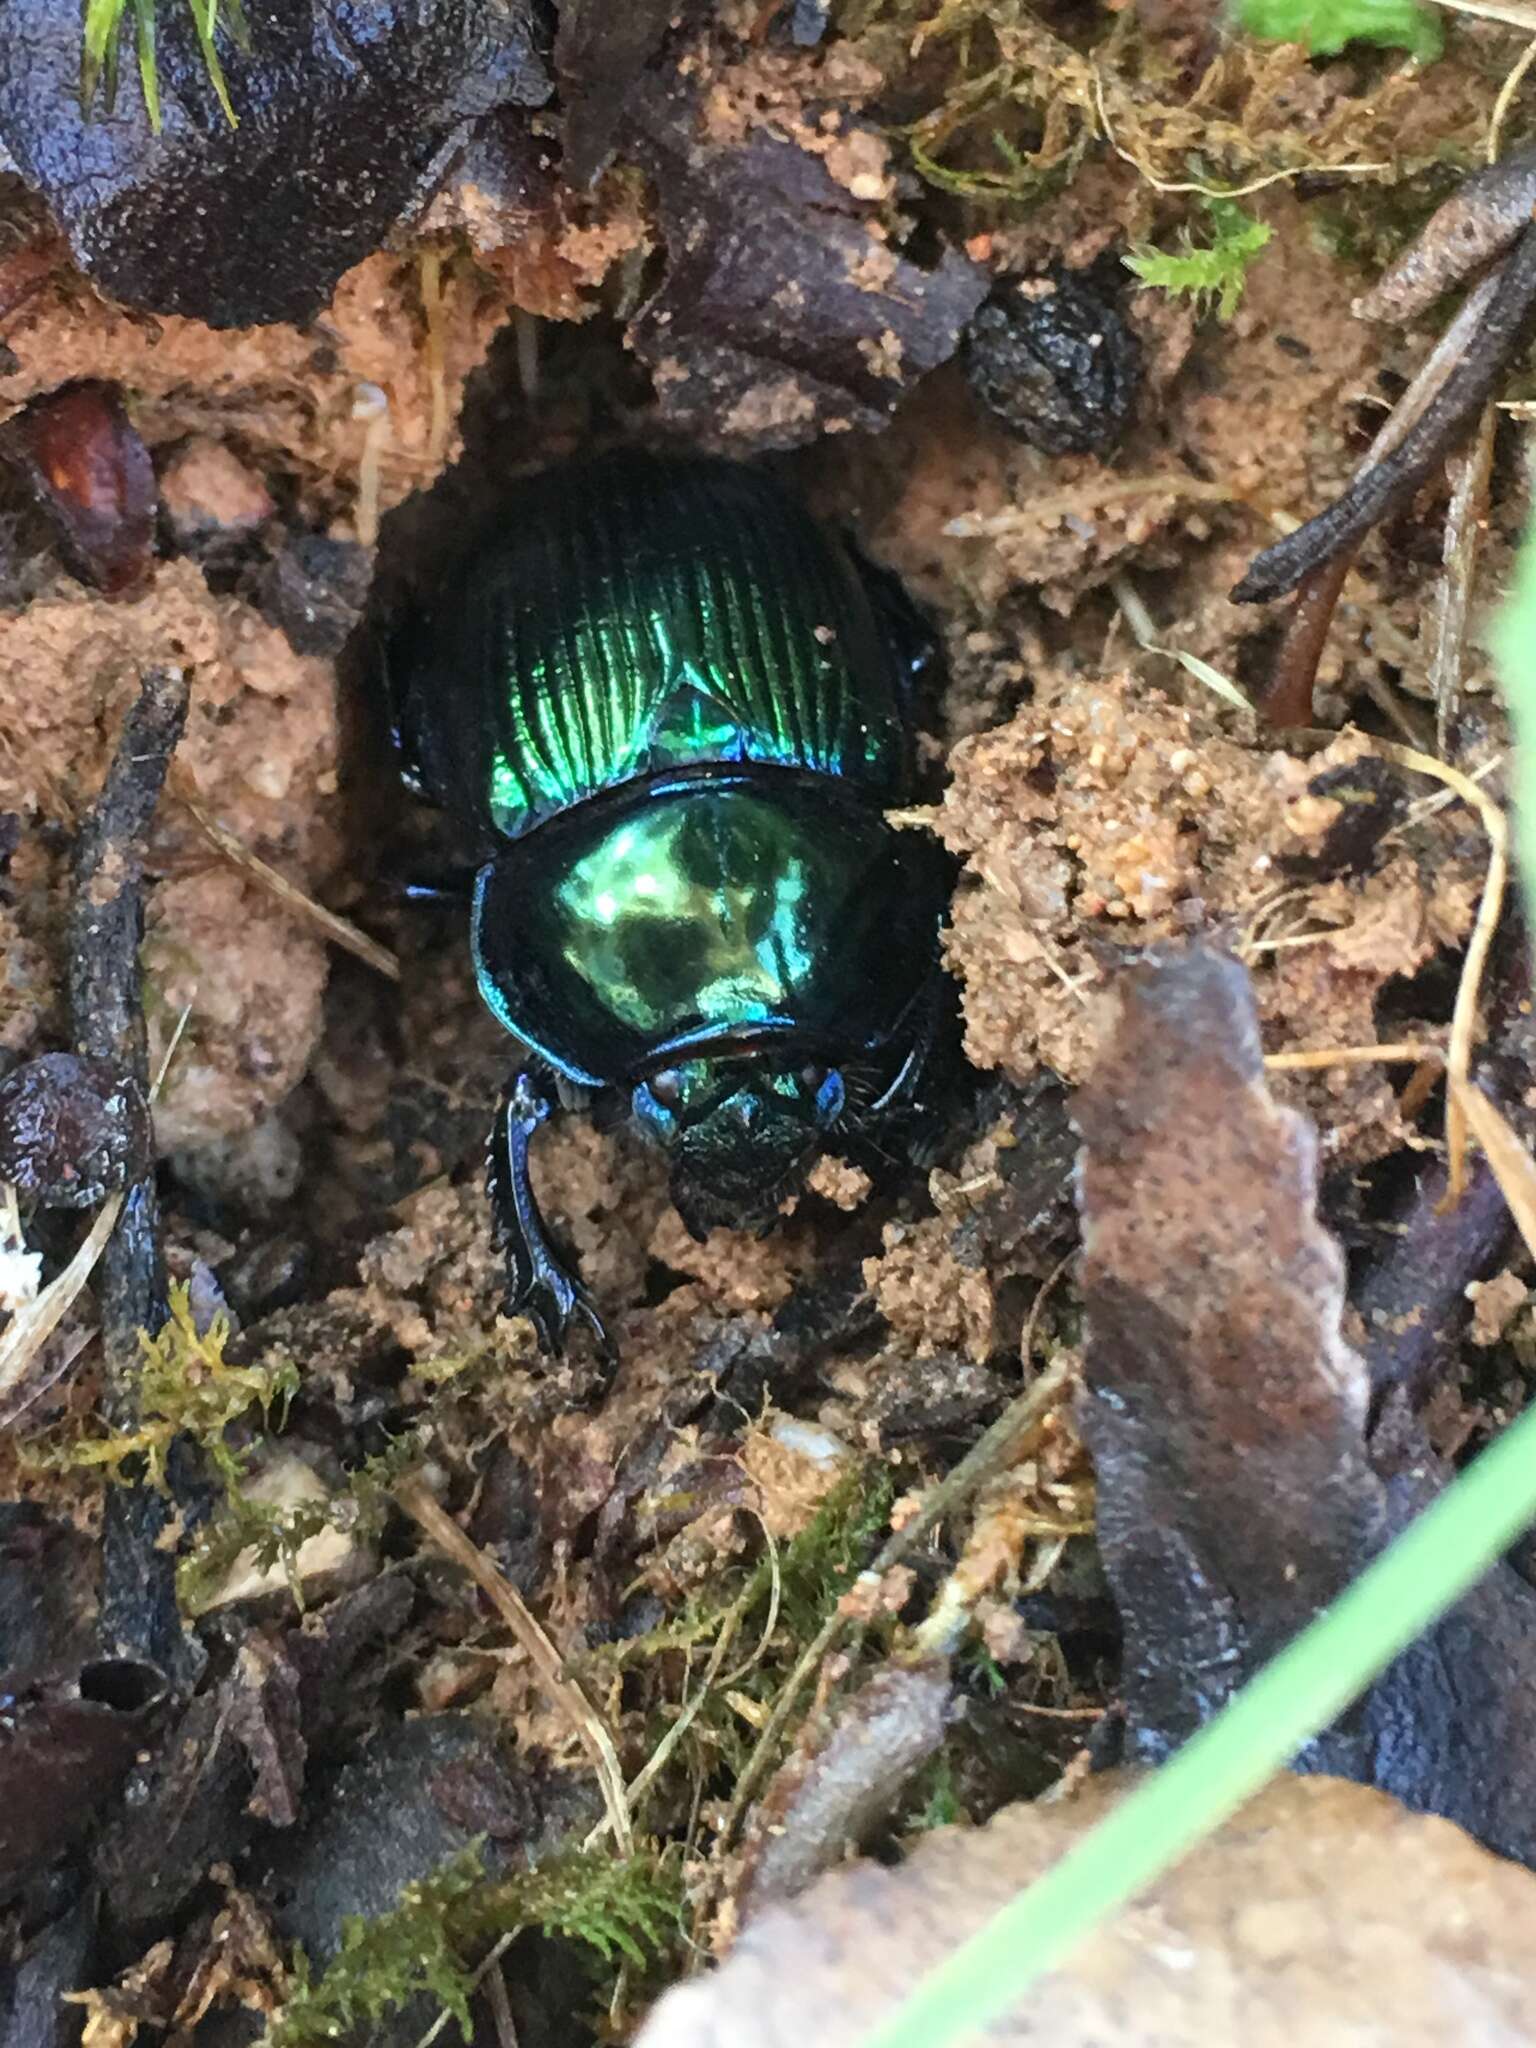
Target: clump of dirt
{"type": "Point", "coordinates": [1107, 816]}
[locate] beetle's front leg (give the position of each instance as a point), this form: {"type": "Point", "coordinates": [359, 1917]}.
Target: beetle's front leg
{"type": "Point", "coordinates": [541, 1284]}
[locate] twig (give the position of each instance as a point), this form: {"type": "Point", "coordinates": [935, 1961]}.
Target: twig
{"type": "Point", "coordinates": [138, 1614]}
{"type": "Point", "coordinates": [105, 930]}
{"type": "Point", "coordinates": [1288, 699]}
{"type": "Point", "coordinates": [325, 922]}
{"type": "Point", "coordinates": [585, 1722]}
{"type": "Point", "coordinates": [1464, 1015]}
{"type": "Point", "coordinates": [1441, 425]}
{"type": "Point", "coordinates": [1000, 1445]}
{"type": "Point", "coordinates": [483, 1970]}
{"type": "Point", "coordinates": [501, 2009]}
{"type": "Point", "coordinates": [1463, 532]}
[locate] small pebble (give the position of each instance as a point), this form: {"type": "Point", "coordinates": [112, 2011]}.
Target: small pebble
{"type": "Point", "coordinates": [71, 1130]}
{"type": "Point", "coordinates": [209, 495]}
{"type": "Point", "coordinates": [1056, 363]}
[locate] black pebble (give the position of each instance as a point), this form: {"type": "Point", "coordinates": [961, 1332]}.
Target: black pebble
{"type": "Point", "coordinates": [1055, 361]}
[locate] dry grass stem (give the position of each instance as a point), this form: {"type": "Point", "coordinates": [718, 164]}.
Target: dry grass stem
{"type": "Point", "coordinates": [586, 1724]}
{"type": "Point", "coordinates": [1464, 524]}
{"type": "Point", "coordinates": [1406, 1054]}
{"type": "Point", "coordinates": [31, 1327]}
{"type": "Point", "coordinates": [1512, 1165]}
{"type": "Point", "coordinates": [336, 929]}
{"type": "Point", "coordinates": [1468, 989]}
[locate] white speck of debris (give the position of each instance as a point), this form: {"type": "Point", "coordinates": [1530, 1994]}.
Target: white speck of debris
{"type": "Point", "coordinates": [21, 1277]}
{"type": "Point", "coordinates": [817, 1444]}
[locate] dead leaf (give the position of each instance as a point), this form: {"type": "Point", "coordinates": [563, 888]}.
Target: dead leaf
{"type": "Point", "coordinates": [1321, 1913]}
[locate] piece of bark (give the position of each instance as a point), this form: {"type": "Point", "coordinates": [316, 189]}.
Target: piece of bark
{"type": "Point", "coordinates": [780, 315]}
{"type": "Point", "coordinates": [600, 52]}
{"type": "Point", "coordinates": [238, 1755]}
{"type": "Point", "coordinates": [33, 1989]}
{"type": "Point", "coordinates": [139, 1616]}
{"type": "Point", "coordinates": [65, 1742]}
{"type": "Point", "coordinates": [347, 118]}
{"type": "Point", "coordinates": [1217, 1380]}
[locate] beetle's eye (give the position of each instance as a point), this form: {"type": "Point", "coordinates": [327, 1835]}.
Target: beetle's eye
{"type": "Point", "coordinates": [667, 1088]}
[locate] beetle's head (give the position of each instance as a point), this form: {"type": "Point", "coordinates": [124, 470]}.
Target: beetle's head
{"type": "Point", "coordinates": [740, 1133]}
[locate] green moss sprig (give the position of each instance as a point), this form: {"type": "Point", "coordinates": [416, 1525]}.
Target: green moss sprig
{"type": "Point", "coordinates": [621, 1910]}
{"type": "Point", "coordinates": [1213, 275]}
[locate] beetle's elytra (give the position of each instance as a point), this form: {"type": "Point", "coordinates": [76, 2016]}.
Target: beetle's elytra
{"type": "Point", "coordinates": [674, 709]}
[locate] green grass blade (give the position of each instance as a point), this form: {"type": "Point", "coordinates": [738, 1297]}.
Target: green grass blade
{"type": "Point", "coordinates": [100, 38]}
{"type": "Point", "coordinates": [149, 78]}
{"type": "Point", "coordinates": [1430, 1565]}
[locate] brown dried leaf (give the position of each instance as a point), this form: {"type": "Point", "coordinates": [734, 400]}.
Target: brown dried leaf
{"type": "Point", "coordinates": [1321, 1913]}
{"type": "Point", "coordinates": [1225, 1414]}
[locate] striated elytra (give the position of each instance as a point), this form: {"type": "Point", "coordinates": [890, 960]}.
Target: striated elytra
{"type": "Point", "coordinates": [675, 709]}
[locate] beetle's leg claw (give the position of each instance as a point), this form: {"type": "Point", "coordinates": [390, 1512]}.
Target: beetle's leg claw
{"type": "Point", "coordinates": [541, 1286]}
{"type": "Point", "coordinates": [553, 1299]}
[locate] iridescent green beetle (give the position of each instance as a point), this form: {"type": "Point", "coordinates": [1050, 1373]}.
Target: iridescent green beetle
{"type": "Point", "coordinates": [675, 710]}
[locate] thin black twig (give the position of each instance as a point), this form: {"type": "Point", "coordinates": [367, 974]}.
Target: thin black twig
{"type": "Point", "coordinates": [139, 1615]}
{"type": "Point", "coordinates": [106, 926]}
{"type": "Point", "coordinates": [1444, 422]}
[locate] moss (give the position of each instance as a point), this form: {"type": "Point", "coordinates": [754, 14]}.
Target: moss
{"type": "Point", "coordinates": [186, 1388]}
{"type": "Point", "coordinates": [276, 1535]}
{"type": "Point", "coordinates": [772, 1612]}
{"type": "Point", "coordinates": [1213, 274]}
{"type": "Point", "coordinates": [626, 1912]}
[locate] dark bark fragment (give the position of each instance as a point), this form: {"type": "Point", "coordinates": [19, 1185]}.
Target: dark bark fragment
{"type": "Point", "coordinates": [138, 1609]}
{"type": "Point", "coordinates": [780, 317]}
{"type": "Point", "coordinates": [600, 52]}
{"type": "Point", "coordinates": [348, 114]}
{"type": "Point", "coordinates": [65, 1742]}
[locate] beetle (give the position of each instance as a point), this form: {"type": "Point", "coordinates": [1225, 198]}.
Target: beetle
{"type": "Point", "coordinates": [673, 709]}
